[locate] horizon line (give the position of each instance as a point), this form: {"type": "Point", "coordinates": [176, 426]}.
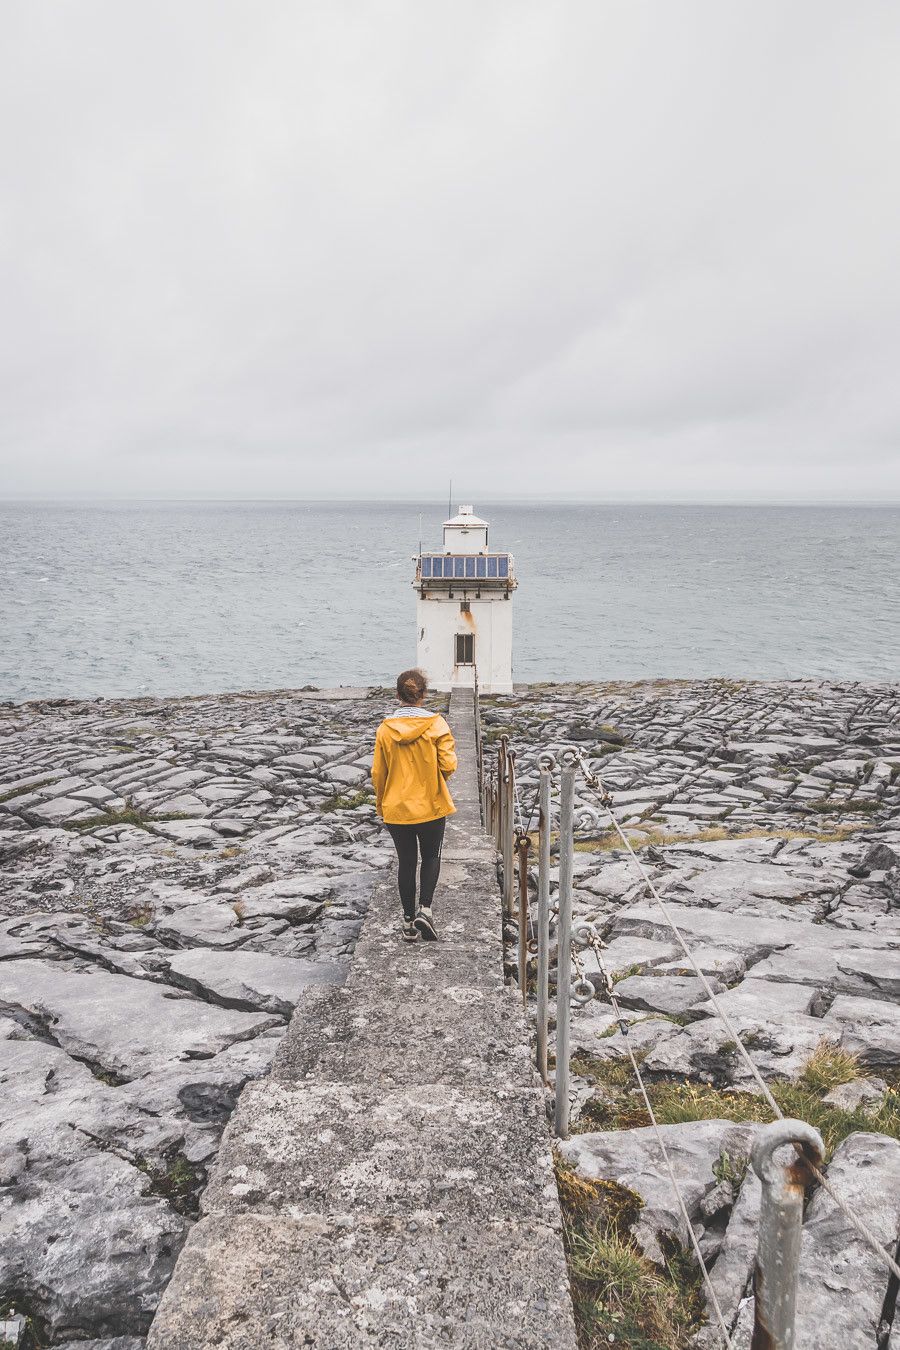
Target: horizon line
{"type": "Point", "coordinates": [572, 499]}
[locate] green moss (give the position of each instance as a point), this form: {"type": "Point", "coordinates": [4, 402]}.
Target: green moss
{"type": "Point", "coordinates": [627, 973]}
{"type": "Point", "coordinates": [344, 802]}
{"type": "Point", "coordinates": [179, 1181]}
{"type": "Point", "coordinates": [492, 735]}
{"type": "Point", "coordinates": [23, 791]}
{"type": "Point", "coordinates": [851, 808]}
{"type": "Point", "coordinates": [129, 815]}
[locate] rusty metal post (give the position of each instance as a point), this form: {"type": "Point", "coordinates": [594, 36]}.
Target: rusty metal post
{"type": "Point", "coordinates": [523, 844]}
{"type": "Point", "coordinates": [564, 940]}
{"type": "Point", "coordinates": [780, 1222]}
{"type": "Point", "coordinates": [509, 811]}
{"type": "Point", "coordinates": [501, 790]}
{"type": "Point", "coordinates": [547, 764]}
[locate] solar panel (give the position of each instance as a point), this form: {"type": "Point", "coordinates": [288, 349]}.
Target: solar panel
{"type": "Point", "coordinates": [465, 566]}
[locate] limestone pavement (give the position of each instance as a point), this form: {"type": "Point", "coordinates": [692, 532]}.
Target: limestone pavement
{"type": "Point", "coordinates": [391, 1183]}
{"type": "Point", "coordinates": [173, 876]}
{"type": "Point", "coordinates": [768, 816]}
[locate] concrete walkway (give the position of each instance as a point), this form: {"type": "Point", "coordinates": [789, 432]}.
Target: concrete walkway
{"type": "Point", "coordinates": [391, 1183]}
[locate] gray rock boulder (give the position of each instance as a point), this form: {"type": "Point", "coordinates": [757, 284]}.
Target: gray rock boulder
{"type": "Point", "coordinates": [633, 1159]}
{"type": "Point", "coordinates": [704, 1050]}
{"type": "Point", "coordinates": [862, 1094]}
{"type": "Point", "coordinates": [92, 1215]}
{"type": "Point", "coordinates": [673, 994]}
{"type": "Point", "coordinates": [842, 1283]}
{"type": "Point", "coordinates": [346, 775]}
{"type": "Point", "coordinates": [870, 1028]}
{"type": "Point", "coordinates": [730, 1275]}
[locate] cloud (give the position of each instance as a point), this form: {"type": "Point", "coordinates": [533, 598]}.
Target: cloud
{"type": "Point", "coordinates": [592, 248]}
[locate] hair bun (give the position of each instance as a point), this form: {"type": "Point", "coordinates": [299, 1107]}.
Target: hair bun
{"type": "Point", "coordinates": [411, 686]}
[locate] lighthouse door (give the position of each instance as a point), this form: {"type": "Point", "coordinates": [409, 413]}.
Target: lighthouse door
{"type": "Point", "coordinates": [465, 649]}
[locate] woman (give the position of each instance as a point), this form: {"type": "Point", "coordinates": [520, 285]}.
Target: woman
{"type": "Point", "coordinates": [414, 757]}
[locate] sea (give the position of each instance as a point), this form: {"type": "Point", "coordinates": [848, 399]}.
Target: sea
{"type": "Point", "coordinates": [165, 598]}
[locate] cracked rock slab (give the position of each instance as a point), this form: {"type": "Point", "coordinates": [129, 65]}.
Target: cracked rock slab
{"type": "Point", "coordinates": [251, 980]}
{"type": "Point", "coordinates": [128, 1027]}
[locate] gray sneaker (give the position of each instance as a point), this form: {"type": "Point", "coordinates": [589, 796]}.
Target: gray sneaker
{"type": "Point", "coordinates": [425, 924]}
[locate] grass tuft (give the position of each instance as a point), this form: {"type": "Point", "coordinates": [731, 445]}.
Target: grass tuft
{"type": "Point", "coordinates": [179, 1181]}
{"type": "Point", "coordinates": [619, 1106]}
{"type": "Point", "coordinates": [619, 1296]}
{"type": "Point", "coordinates": [828, 1067]}
{"type": "Point", "coordinates": [608, 840]}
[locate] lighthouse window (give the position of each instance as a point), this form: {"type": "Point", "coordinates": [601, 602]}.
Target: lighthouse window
{"type": "Point", "coordinates": [504, 566]}
{"type": "Point", "coordinates": [438, 567]}
{"type": "Point", "coordinates": [459, 567]}
{"type": "Point", "coordinates": [470, 567]}
{"type": "Point", "coordinates": [492, 567]}
{"type": "Point", "coordinates": [480, 570]}
{"type": "Point", "coordinates": [465, 649]}
{"type": "Point", "coordinates": [426, 567]}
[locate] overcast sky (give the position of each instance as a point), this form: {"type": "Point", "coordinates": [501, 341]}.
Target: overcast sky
{"type": "Point", "coordinates": [608, 249]}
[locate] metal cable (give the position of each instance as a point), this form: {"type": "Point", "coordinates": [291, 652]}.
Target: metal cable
{"type": "Point", "coordinates": [593, 780]}
{"type": "Point", "coordinates": [518, 804]}
{"type": "Point", "coordinates": [610, 992]}
{"type": "Point", "coordinates": [678, 1196]}
{"type": "Point", "coordinates": [526, 828]}
{"type": "Point", "coordinates": [534, 807]}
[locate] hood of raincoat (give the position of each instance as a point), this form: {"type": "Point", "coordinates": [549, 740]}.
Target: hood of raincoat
{"type": "Point", "coordinates": [408, 724]}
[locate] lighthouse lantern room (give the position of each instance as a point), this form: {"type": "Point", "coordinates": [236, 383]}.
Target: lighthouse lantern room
{"type": "Point", "coordinates": [464, 609]}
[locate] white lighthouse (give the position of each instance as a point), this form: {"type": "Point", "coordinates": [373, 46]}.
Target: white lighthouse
{"type": "Point", "coordinates": [464, 609]}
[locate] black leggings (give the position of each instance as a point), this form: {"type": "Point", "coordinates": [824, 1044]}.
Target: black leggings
{"type": "Point", "coordinates": [408, 840]}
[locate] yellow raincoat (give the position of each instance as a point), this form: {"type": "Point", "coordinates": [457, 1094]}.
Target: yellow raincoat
{"type": "Point", "coordinates": [414, 754]}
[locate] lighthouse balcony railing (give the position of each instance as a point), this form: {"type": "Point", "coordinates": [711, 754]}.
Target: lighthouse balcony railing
{"type": "Point", "coordinates": [465, 567]}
